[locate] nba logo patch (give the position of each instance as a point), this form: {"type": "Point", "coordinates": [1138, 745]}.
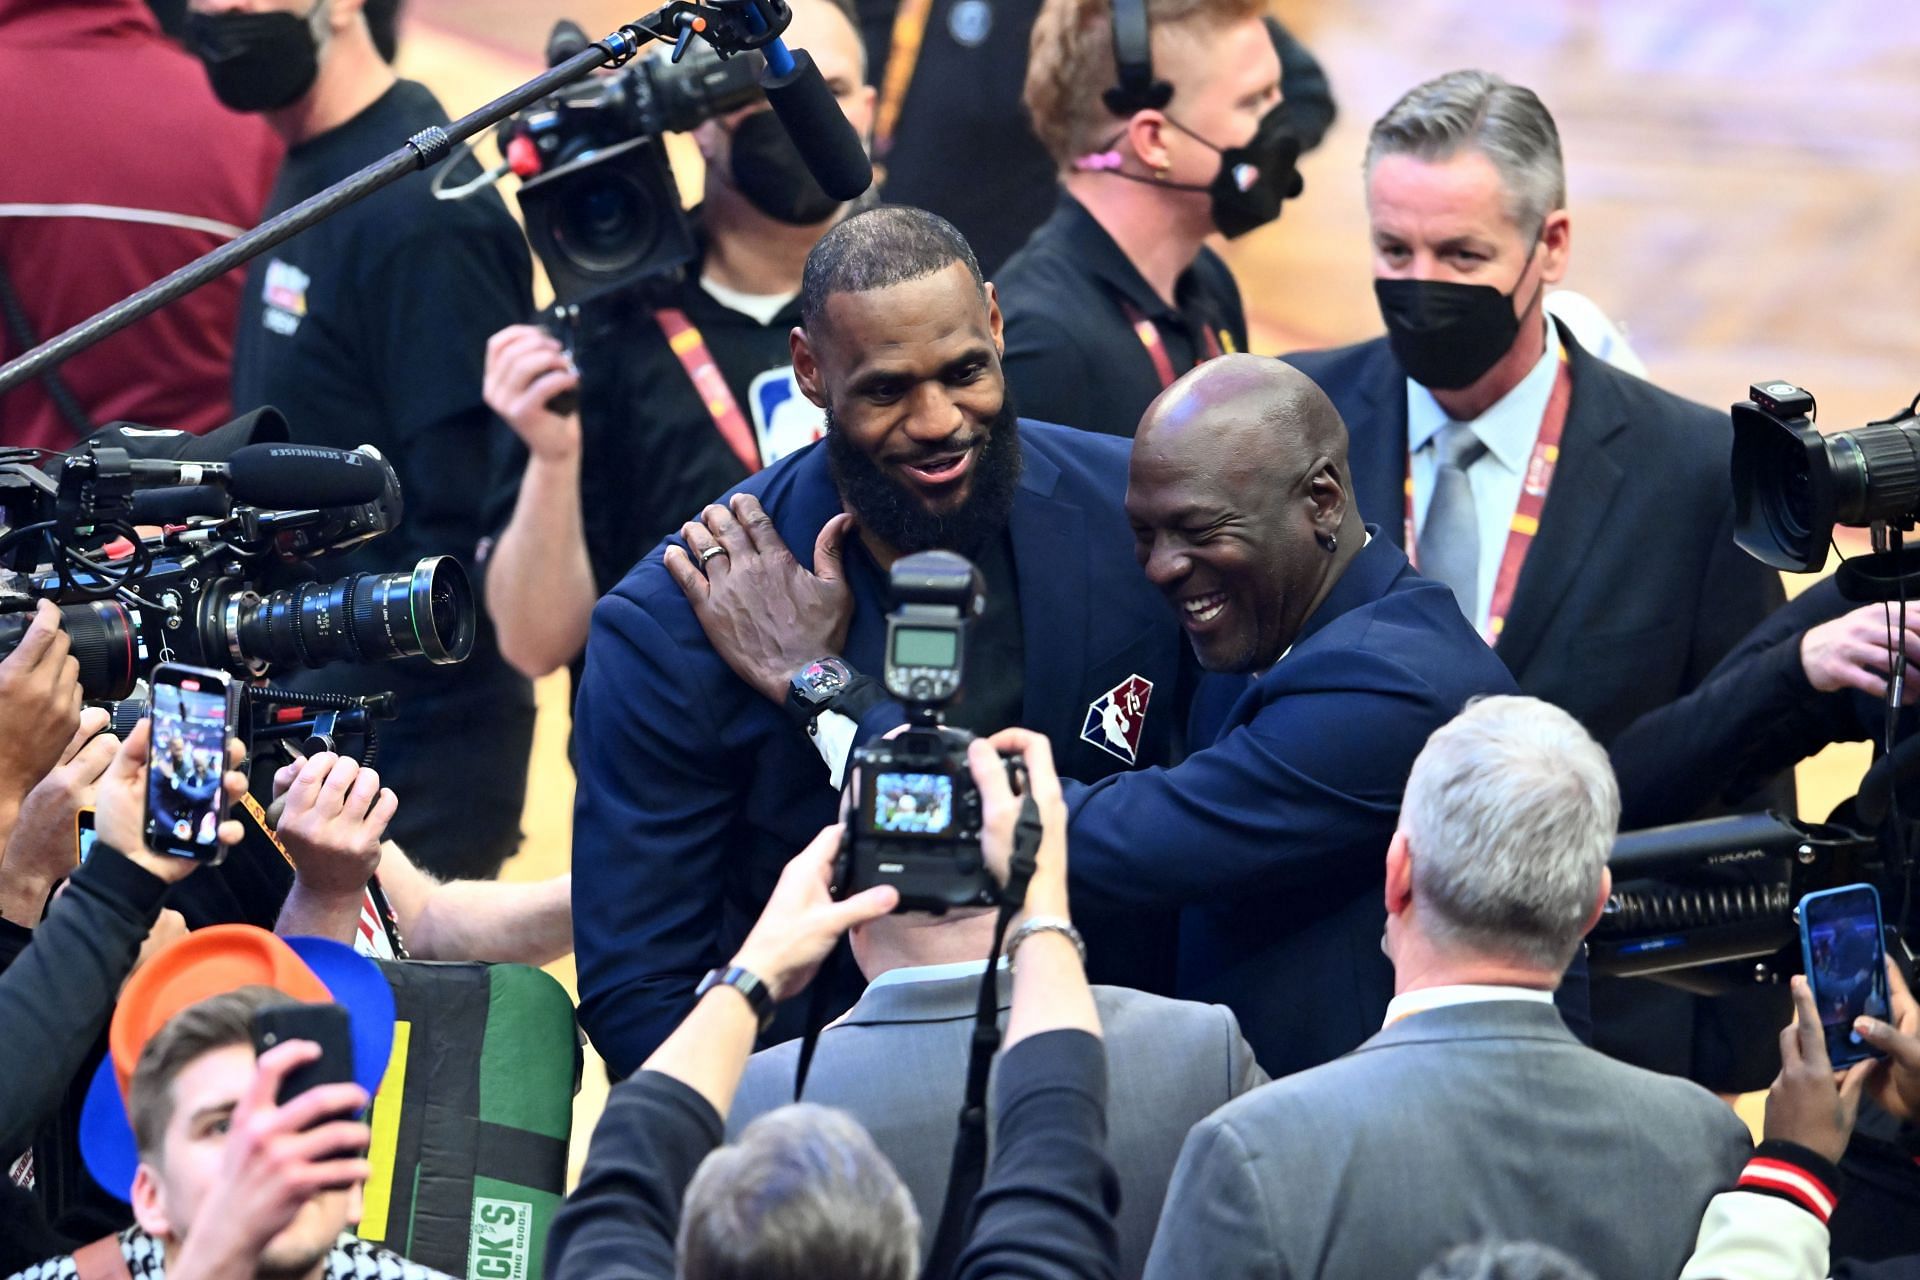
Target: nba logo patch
{"type": "Point", "coordinates": [1117, 717]}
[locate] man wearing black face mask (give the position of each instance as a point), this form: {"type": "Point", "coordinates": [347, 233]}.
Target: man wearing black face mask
{"type": "Point", "coordinates": [1116, 295]}
{"type": "Point", "coordinates": [371, 328]}
{"type": "Point", "coordinates": [1582, 517]}
{"type": "Point", "coordinates": [586, 495]}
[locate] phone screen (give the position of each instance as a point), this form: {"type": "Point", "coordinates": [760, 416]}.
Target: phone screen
{"type": "Point", "coordinates": [85, 834]}
{"type": "Point", "coordinates": [1846, 965]}
{"type": "Point", "coordinates": [186, 765]}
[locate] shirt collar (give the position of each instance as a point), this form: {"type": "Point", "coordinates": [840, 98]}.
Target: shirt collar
{"type": "Point", "coordinates": [1510, 425]}
{"type": "Point", "coordinates": [932, 973]}
{"type": "Point", "coordinates": [1098, 252]}
{"type": "Point", "coordinates": [1409, 1003]}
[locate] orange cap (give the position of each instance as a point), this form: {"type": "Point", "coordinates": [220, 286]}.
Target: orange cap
{"type": "Point", "coordinates": [207, 962]}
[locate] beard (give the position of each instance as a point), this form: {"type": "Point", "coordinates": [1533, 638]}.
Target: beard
{"type": "Point", "coordinates": [898, 516]}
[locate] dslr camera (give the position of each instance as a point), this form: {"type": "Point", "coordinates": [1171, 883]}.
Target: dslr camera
{"type": "Point", "coordinates": [915, 816]}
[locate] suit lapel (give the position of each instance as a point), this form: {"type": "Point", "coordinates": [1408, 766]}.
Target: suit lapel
{"type": "Point", "coordinates": [1052, 564]}
{"type": "Point", "coordinates": [1377, 452]}
{"type": "Point", "coordinates": [1584, 483]}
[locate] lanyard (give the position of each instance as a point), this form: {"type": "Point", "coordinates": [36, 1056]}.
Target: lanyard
{"type": "Point", "coordinates": [710, 384]}
{"type": "Point", "coordinates": [1533, 500]}
{"type": "Point", "coordinates": [909, 29]}
{"type": "Point", "coordinates": [1149, 334]}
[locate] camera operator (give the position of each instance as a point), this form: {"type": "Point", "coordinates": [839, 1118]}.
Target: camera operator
{"type": "Point", "coordinates": [1773, 1224]}
{"type": "Point", "coordinates": [656, 1168]}
{"type": "Point", "coordinates": [335, 815]}
{"type": "Point", "coordinates": [58, 991]}
{"type": "Point", "coordinates": [371, 328]}
{"type": "Point", "coordinates": [587, 494]}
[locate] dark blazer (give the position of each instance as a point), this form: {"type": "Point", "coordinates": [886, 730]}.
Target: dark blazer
{"type": "Point", "coordinates": [898, 1063]}
{"type": "Point", "coordinates": [1445, 1128]}
{"type": "Point", "coordinates": [1273, 835]}
{"type": "Point", "coordinates": [1633, 588]}
{"type": "Point", "coordinates": [694, 791]}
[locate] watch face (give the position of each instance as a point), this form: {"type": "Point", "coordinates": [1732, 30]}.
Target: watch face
{"type": "Point", "coordinates": [823, 679]}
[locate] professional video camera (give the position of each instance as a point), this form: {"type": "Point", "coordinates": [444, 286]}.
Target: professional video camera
{"type": "Point", "coordinates": [194, 592]}
{"type": "Point", "coordinates": [1791, 484]}
{"type": "Point", "coordinates": [601, 207]}
{"type": "Point", "coordinates": [915, 820]}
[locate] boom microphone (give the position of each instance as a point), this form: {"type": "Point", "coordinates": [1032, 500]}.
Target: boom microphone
{"type": "Point", "coordinates": [813, 119]}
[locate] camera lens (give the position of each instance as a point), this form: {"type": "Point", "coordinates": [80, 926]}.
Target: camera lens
{"type": "Point", "coordinates": [100, 635]}
{"type": "Point", "coordinates": [369, 617]}
{"type": "Point", "coordinates": [605, 224]}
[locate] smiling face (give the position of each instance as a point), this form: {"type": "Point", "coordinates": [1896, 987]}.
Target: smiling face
{"type": "Point", "coordinates": [1231, 500]}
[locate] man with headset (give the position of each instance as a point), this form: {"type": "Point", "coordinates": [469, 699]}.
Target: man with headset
{"type": "Point", "coordinates": [1165, 121]}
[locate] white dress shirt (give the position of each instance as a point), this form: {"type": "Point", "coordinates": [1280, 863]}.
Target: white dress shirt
{"type": "Point", "coordinates": [1509, 429]}
{"type": "Point", "coordinates": [934, 972]}
{"type": "Point", "coordinates": [1412, 1002]}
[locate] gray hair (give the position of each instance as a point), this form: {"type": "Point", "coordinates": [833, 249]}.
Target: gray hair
{"type": "Point", "coordinates": [804, 1193]}
{"type": "Point", "coordinates": [1503, 121]}
{"type": "Point", "coordinates": [1510, 814]}
{"type": "Point", "coordinates": [1505, 1260]}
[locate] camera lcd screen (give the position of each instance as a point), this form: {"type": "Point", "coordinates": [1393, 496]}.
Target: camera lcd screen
{"type": "Point", "coordinates": [925, 647]}
{"type": "Point", "coordinates": [918, 804]}
{"type": "Point", "coordinates": [1845, 966]}
{"type": "Point", "coordinates": [187, 764]}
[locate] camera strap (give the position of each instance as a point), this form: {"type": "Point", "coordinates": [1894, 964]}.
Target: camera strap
{"type": "Point", "coordinates": [20, 329]}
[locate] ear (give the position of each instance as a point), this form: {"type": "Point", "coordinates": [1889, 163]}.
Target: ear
{"type": "Point", "coordinates": [1556, 243]}
{"type": "Point", "coordinates": [149, 1208]}
{"type": "Point", "coordinates": [344, 14]}
{"type": "Point", "coordinates": [1147, 135]}
{"type": "Point", "coordinates": [1399, 874]}
{"type": "Point", "coordinates": [1328, 494]}
{"type": "Point", "coordinates": [1600, 903]}
{"type": "Point", "coordinates": [706, 139]}
{"type": "Point", "coordinates": [996, 323]}
{"type": "Point", "coordinates": [806, 368]}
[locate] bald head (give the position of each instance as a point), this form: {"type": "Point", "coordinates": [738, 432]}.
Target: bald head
{"type": "Point", "coordinates": [1238, 492]}
{"type": "Point", "coordinates": [1258, 418]}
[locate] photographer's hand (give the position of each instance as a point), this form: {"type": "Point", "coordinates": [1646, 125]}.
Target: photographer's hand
{"type": "Point", "coordinates": [39, 705]}
{"type": "Point", "coordinates": [335, 816]}
{"type": "Point", "coordinates": [764, 614]}
{"type": "Point", "coordinates": [526, 367]}
{"type": "Point", "coordinates": [120, 806]}
{"type": "Point", "coordinates": [708, 1051]}
{"type": "Point", "coordinates": [43, 847]}
{"type": "Point", "coordinates": [1807, 1104]}
{"type": "Point", "coordinates": [1851, 652]}
{"type": "Point", "coordinates": [1895, 1082]}
{"type": "Point", "coordinates": [274, 1161]}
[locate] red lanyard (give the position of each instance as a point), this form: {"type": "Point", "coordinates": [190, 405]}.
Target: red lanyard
{"type": "Point", "coordinates": [909, 30]}
{"type": "Point", "coordinates": [1533, 500]}
{"type": "Point", "coordinates": [711, 385]}
{"type": "Point", "coordinates": [1149, 334]}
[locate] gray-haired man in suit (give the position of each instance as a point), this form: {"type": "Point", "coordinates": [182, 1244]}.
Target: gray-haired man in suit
{"type": "Point", "coordinates": [897, 1061]}
{"type": "Point", "coordinates": [1474, 1112]}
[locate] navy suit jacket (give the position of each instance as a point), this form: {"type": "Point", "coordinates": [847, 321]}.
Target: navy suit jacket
{"type": "Point", "coordinates": [694, 790]}
{"type": "Point", "coordinates": [1633, 589]}
{"type": "Point", "coordinates": [1282, 823]}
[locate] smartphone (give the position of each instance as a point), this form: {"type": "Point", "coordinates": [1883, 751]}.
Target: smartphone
{"type": "Point", "coordinates": [83, 835]}
{"type": "Point", "coordinates": [327, 1025]}
{"type": "Point", "coordinates": [1844, 949]}
{"type": "Point", "coordinates": [194, 709]}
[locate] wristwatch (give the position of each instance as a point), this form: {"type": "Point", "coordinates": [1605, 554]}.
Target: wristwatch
{"type": "Point", "coordinates": [747, 984]}
{"type": "Point", "coordinates": [829, 684]}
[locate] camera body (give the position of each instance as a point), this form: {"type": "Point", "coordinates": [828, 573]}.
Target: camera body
{"type": "Point", "coordinates": [601, 205]}
{"type": "Point", "coordinates": [914, 815]}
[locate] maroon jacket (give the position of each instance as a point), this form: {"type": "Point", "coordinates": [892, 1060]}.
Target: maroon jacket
{"type": "Point", "coordinates": [121, 166]}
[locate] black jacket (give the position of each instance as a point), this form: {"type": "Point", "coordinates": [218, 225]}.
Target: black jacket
{"type": "Point", "coordinates": [1633, 589]}
{"type": "Point", "coordinates": [1045, 1211]}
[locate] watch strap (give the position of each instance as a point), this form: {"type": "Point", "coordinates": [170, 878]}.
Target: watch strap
{"type": "Point", "coordinates": [747, 983]}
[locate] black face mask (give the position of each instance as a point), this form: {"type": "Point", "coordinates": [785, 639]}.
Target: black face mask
{"type": "Point", "coordinates": [1254, 178]}
{"type": "Point", "coordinates": [1447, 335]}
{"type": "Point", "coordinates": [767, 169]}
{"type": "Point", "coordinates": [257, 61]}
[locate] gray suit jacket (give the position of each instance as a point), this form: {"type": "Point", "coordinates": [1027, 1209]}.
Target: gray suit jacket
{"type": "Point", "coordinates": [898, 1062]}
{"type": "Point", "coordinates": [1448, 1127]}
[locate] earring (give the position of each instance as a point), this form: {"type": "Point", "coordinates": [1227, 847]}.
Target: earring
{"type": "Point", "coordinates": [1330, 541]}
{"type": "Point", "coordinates": [1160, 174]}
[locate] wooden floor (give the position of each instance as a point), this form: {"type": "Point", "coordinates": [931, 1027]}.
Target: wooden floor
{"type": "Point", "coordinates": [1744, 180]}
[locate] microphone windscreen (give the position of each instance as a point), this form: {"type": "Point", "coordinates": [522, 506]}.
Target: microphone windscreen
{"type": "Point", "coordinates": [820, 131]}
{"type": "Point", "coordinates": [289, 476]}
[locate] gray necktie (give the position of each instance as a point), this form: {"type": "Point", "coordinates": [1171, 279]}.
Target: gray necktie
{"type": "Point", "coordinates": [1450, 542]}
